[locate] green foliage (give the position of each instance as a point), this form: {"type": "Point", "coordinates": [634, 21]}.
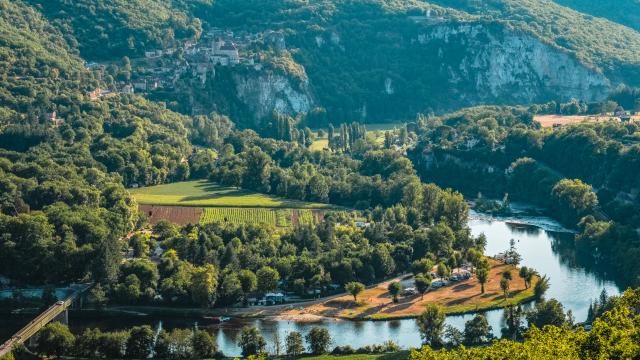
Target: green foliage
{"type": "Point", "coordinates": [294, 344]}
{"type": "Point", "coordinates": [354, 288]}
{"type": "Point", "coordinates": [55, 340]}
{"type": "Point", "coordinates": [431, 324]}
{"type": "Point", "coordinates": [112, 29]}
{"type": "Point", "coordinates": [592, 40]}
{"type": "Point", "coordinates": [140, 342]}
{"type": "Point", "coordinates": [549, 312]}
{"type": "Point", "coordinates": [395, 288]}
{"type": "Point", "coordinates": [423, 282]}
{"type": "Point", "coordinates": [319, 340]}
{"type": "Point", "coordinates": [204, 345]}
{"type": "Point", "coordinates": [251, 342]}
{"type": "Point", "coordinates": [625, 12]}
{"type": "Point", "coordinates": [477, 331]}
{"type": "Point", "coordinates": [267, 279]}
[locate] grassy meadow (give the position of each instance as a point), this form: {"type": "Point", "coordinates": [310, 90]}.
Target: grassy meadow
{"type": "Point", "coordinates": [202, 193]}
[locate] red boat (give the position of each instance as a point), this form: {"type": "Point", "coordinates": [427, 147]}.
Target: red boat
{"type": "Point", "coordinates": [215, 319]}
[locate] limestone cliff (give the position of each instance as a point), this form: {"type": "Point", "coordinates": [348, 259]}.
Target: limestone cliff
{"type": "Point", "coordinates": [506, 64]}
{"type": "Point", "coordinates": [265, 92]}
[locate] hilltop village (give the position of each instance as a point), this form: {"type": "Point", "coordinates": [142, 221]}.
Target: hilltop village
{"type": "Point", "coordinates": [190, 60]}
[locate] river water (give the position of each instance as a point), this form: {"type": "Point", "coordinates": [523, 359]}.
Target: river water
{"type": "Point", "coordinates": [542, 242]}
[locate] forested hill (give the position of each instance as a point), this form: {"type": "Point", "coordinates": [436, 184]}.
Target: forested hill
{"type": "Point", "coordinates": [367, 60]}
{"type": "Point", "coordinates": [626, 12]}
{"type": "Point", "coordinates": [115, 28]}
{"type": "Point", "coordinates": [64, 158]}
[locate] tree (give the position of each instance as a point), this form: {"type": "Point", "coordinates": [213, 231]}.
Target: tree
{"type": "Point", "coordinates": [354, 288]}
{"type": "Point", "coordinates": [382, 260]}
{"type": "Point", "coordinates": [248, 280]}
{"type": "Point", "coordinates": [527, 275]}
{"type": "Point", "coordinates": [251, 341]}
{"type": "Point", "coordinates": [98, 297]}
{"type": "Point", "coordinates": [549, 312]}
{"type": "Point", "coordinates": [477, 331]}
{"type": "Point", "coordinates": [512, 256]}
{"type": "Point", "coordinates": [140, 343]}
{"type": "Point", "coordinates": [573, 199]}
{"type": "Point", "coordinates": [541, 287]}
{"type": "Point", "coordinates": [443, 271]}
{"type": "Point", "coordinates": [507, 275]}
{"type": "Point", "coordinates": [204, 345]}
{"type": "Point", "coordinates": [482, 273]}
{"type": "Point", "coordinates": [258, 170]}
{"type": "Point", "coordinates": [231, 288]}
{"type": "Point", "coordinates": [422, 266]}
{"type": "Point", "coordinates": [203, 285]}
{"type": "Point", "coordinates": [431, 324]}
{"type": "Point", "coordinates": [513, 316]}
{"type": "Point", "coordinates": [319, 340]}
{"type": "Point", "coordinates": [295, 346]}
{"type": "Point", "coordinates": [505, 285]}
{"type": "Point", "coordinates": [423, 282]}
{"type": "Point", "coordinates": [55, 340]}
{"type": "Point", "coordinates": [267, 279]}
{"type": "Point", "coordinates": [395, 288]}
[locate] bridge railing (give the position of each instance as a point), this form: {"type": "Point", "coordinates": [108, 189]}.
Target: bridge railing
{"type": "Point", "coordinates": [40, 321]}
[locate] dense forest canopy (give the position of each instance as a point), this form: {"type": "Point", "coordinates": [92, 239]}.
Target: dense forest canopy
{"type": "Point", "coordinates": [625, 12]}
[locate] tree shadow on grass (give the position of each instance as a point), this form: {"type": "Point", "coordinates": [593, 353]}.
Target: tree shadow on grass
{"type": "Point", "coordinates": [462, 287]}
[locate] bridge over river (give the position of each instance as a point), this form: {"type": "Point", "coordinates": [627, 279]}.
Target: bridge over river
{"type": "Point", "coordinates": [59, 310]}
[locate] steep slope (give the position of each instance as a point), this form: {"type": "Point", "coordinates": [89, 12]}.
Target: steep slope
{"type": "Point", "coordinates": [625, 12]}
{"type": "Point", "coordinates": [112, 29]}
{"type": "Point", "coordinates": [597, 42]}
{"type": "Point", "coordinates": [381, 60]}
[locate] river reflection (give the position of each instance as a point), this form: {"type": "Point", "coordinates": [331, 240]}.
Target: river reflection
{"type": "Point", "coordinates": [549, 252]}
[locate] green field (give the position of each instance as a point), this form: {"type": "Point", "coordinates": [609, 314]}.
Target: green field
{"type": "Point", "coordinates": [319, 145]}
{"type": "Point", "coordinates": [274, 217]}
{"type": "Point", "coordinates": [203, 193]}
{"type": "Point", "coordinates": [391, 356]}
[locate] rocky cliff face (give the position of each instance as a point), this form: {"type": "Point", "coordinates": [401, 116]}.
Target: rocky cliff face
{"type": "Point", "coordinates": [427, 67]}
{"type": "Point", "coordinates": [266, 92]}
{"type": "Point", "coordinates": [505, 64]}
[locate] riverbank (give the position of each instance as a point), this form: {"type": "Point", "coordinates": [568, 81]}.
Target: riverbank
{"type": "Point", "coordinates": [458, 298]}
{"type": "Point", "coordinates": [374, 303]}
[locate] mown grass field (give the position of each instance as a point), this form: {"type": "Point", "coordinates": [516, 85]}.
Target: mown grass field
{"type": "Point", "coordinates": [319, 145]}
{"type": "Point", "coordinates": [202, 193]}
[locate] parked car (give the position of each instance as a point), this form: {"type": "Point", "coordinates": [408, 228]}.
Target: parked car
{"type": "Point", "coordinates": [409, 292]}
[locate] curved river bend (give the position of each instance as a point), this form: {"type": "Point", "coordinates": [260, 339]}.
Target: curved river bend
{"type": "Point", "coordinates": [542, 243]}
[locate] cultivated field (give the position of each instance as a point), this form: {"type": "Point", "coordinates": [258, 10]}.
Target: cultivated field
{"type": "Point", "coordinates": [193, 202]}
{"type": "Point", "coordinates": [274, 217]}
{"type": "Point", "coordinates": [181, 215]}
{"type": "Point", "coordinates": [202, 193]}
{"type": "Point", "coordinates": [547, 121]}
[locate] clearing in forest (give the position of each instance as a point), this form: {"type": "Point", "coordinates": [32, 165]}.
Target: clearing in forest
{"type": "Point", "coordinates": [193, 202]}
{"type": "Point", "coordinates": [203, 193]}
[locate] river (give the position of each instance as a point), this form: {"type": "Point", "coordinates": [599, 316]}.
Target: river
{"type": "Point", "coordinates": [542, 242]}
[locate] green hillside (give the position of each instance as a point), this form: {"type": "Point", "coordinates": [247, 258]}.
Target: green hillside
{"type": "Point", "coordinates": [596, 41]}
{"type": "Point", "coordinates": [625, 12]}
{"type": "Point", "coordinates": [112, 29]}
